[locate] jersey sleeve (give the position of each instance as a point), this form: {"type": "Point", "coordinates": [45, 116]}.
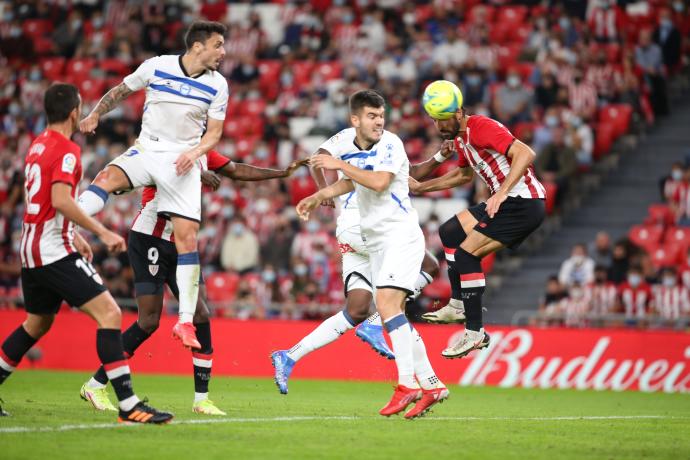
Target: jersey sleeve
{"type": "Point", "coordinates": [140, 77]}
{"type": "Point", "coordinates": [219, 103]}
{"type": "Point", "coordinates": [392, 156]}
{"type": "Point", "coordinates": [67, 168]}
{"type": "Point", "coordinates": [334, 144]}
{"type": "Point", "coordinates": [216, 161]}
{"type": "Point", "coordinates": [490, 134]}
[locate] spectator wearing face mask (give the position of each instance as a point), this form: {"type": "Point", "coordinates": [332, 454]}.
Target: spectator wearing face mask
{"type": "Point", "coordinates": [600, 73]}
{"type": "Point", "coordinates": [546, 92]}
{"type": "Point", "coordinates": [575, 306]}
{"type": "Point", "coordinates": [578, 268]}
{"type": "Point", "coordinates": [649, 58]}
{"type": "Point", "coordinates": [240, 249]}
{"type": "Point", "coordinates": [553, 295]}
{"type": "Point", "coordinates": [557, 163]}
{"type": "Point", "coordinates": [601, 250]}
{"type": "Point", "coordinates": [310, 240]}
{"type": "Point", "coordinates": [602, 293]}
{"type": "Point", "coordinates": [582, 96]}
{"type": "Point", "coordinates": [269, 294]}
{"type": "Point", "coordinates": [475, 88]}
{"type": "Point", "coordinates": [671, 299]}
{"type": "Point", "coordinates": [635, 295]}
{"type": "Point", "coordinates": [580, 138]}
{"type": "Point", "coordinates": [620, 262]}
{"type": "Point", "coordinates": [668, 37]}
{"type": "Point", "coordinates": [513, 101]}
{"type": "Point", "coordinates": [669, 184]}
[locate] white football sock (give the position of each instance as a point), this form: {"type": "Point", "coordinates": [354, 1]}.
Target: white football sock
{"type": "Point", "coordinates": [375, 319]}
{"type": "Point", "coordinates": [401, 337]}
{"type": "Point", "coordinates": [422, 367]}
{"type": "Point", "coordinates": [200, 396]}
{"type": "Point", "coordinates": [423, 280]}
{"type": "Point", "coordinates": [187, 276]}
{"type": "Point", "coordinates": [92, 200]}
{"type": "Point", "coordinates": [95, 384]}
{"type": "Point", "coordinates": [326, 332]}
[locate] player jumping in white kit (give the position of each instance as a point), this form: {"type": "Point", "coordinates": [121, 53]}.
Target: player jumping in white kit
{"type": "Point", "coordinates": [186, 99]}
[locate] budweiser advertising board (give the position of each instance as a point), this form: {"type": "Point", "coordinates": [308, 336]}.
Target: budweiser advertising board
{"type": "Point", "coordinates": [600, 359]}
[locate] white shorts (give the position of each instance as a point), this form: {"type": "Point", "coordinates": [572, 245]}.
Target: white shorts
{"type": "Point", "coordinates": [356, 266]}
{"type": "Point", "coordinates": [177, 195]}
{"type": "Point", "coordinates": [399, 260]}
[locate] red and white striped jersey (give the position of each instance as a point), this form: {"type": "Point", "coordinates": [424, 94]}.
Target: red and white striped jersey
{"type": "Point", "coordinates": [46, 235]}
{"type": "Point", "coordinates": [602, 297]}
{"type": "Point", "coordinates": [485, 149]}
{"type": "Point", "coordinates": [671, 301]}
{"type": "Point", "coordinates": [635, 300]}
{"type": "Point", "coordinates": [148, 221]}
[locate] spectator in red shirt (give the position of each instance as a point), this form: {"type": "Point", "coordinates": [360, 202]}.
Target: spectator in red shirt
{"type": "Point", "coordinates": [635, 296]}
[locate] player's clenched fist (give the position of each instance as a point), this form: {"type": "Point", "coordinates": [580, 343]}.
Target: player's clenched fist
{"type": "Point", "coordinates": [114, 242]}
{"type": "Point", "coordinates": [307, 205]}
{"type": "Point", "coordinates": [89, 124]}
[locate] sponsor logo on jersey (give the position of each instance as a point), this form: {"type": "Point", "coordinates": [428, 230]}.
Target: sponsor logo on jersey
{"type": "Point", "coordinates": [153, 269]}
{"type": "Point", "coordinates": [344, 248]}
{"type": "Point", "coordinates": [185, 89]}
{"type": "Point", "coordinates": [69, 162]}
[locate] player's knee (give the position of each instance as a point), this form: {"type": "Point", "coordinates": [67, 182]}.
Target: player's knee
{"type": "Point", "coordinates": [38, 325]}
{"type": "Point", "coordinates": [451, 233]}
{"type": "Point", "coordinates": [106, 180]}
{"type": "Point", "coordinates": [186, 242]}
{"type": "Point", "coordinates": [149, 322]}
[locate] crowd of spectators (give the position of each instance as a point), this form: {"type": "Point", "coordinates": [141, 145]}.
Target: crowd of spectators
{"type": "Point", "coordinates": [550, 71]}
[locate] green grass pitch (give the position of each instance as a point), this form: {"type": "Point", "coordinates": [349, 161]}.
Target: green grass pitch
{"type": "Point", "coordinates": [324, 419]}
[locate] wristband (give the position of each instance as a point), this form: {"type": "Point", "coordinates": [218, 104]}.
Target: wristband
{"type": "Point", "coordinates": [439, 158]}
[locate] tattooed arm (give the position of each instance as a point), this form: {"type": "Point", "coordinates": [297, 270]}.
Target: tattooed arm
{"type": "Point", "coordinates": [106, 104]}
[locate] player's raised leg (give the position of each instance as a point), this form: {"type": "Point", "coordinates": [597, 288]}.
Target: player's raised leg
{"type": "Point", "coordinates": [187, 277]}
{"type": "Point", "coordinates": [109, 180]}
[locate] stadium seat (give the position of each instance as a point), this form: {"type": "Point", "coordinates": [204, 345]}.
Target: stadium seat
{"type": "Point", "coordinates": [603, 139]}
{"type": "Point", "coordinates": [618, 116]}
{"type": "Point", "coordinates": [488, 263]}
{"type": "Point", "coordinates": [92, 89]}
{"type": "Point", "coordinates": [52, 67]}
{"type": "Point", "coordinates": [646, 237]}
{"type": "Point", "coordinates": [221, 286]}
{"type": "Point", "coordinates": [520, 34]}
{"type": "Point", "coordinates": [659, 214]}
{"type": "Point", "coordinates": [252, 107]}
{"type": "Point", "coordinates": [665, 256]}
{"type": "Point", "coordinates": [511, 14]}
{"type": "Point", "coordinates": [44, 46]}
{"type": "Point", "coordinates": [679, 236]}
{"type": "Point", "coordinates": [439, 289]}
{"type": "Point", "coordinates": [301, 72]}
{"type": "Point", "coordinates": [329, 70]}
{"type": "Point", "coordinates": [507, 55]}
{"type": "Point", "coordinates": [246, 145]}
{"type": "Point", "coordinates": [36, 28]}
{"type": "Point", "coordinates": [551, 191]}
{"type": "Point", "coordinates": [472, 15]}
{"type": "Point", "coordinates": [114, 66]}
{"type": "Point", "coordinates": [521, 129]}
{"type": "Point", "coordinates": [80, 69]}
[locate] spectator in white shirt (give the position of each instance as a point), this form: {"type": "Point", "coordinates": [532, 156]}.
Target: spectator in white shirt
{"type": "Point", "coordinates": [578, 268]}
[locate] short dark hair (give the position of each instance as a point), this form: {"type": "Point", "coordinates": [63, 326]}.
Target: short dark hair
{"type": "Point", "coordinates": [366, 98]}
{"type": "Point", "coordinates": [200, 31]}
{"type": "Point", "coordinates": [59, 101]}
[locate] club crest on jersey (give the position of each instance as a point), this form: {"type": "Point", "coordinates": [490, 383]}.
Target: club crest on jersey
{"type": "Point", "coordinates": [185, 89]}
{"type": "Point", "coordinates": [69, 162]}
{"type": "Point", "coordinates": [153, 269]}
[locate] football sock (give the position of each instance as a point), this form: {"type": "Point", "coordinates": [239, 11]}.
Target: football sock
{"type": "Point", "coordinates": [423, 280]}
{"type": "Point", "coordinates": [187, 276]}
{"type": "Point", "coordinates": [92, 200]}
{"type": "Point", "coordinates": [422, 367]}
{"type": "Point", "coordinates": [326, 332]}
{"type": "Point", "coordinates": [13, 349]}
{"type": "Point", "coordinates": [111, 354]}
{"type": "Point", "coordinates": [400, 333]}
{"type": "Point", "coordinates": [375, 319]}
{"type": "Point", "coordinates": [132, 338]}
{"type": "Point", "coordinates": [452, 235]}
{"type": "Point", "coordinates": [472, 285]}
{"type": "Point", "coordinates": [202, 361]}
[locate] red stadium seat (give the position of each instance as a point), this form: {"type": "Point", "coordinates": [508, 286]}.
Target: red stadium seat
{"type": "Point", "coordinates": [488, 263]}
{"type": "Point", "coordinates": [512, 14]}
{"type": "Point", "coordinates": [522, 128]}
{"type": "Point", "coordinates": [252, 107]}
{"type": "Point", "coordinates": [35, 28]}
{"type": "Point", "coordinates": [618, 116]}
{"type": "Point", "coordinates": [301, 72]}
{"type": "Point", "coordinates": [245, 145]}
{"type": "Point", "coordinates": [221, 286]}
{"type": "Point", "coordinates": [679, 236]}
{"type": "Point", "coordinates": [52, 67]}
{"type": "Point", "coordinates": [114, 66]}
{"type": "Point", "coordinates": [490, 11]}
{"type": "Point", "coordinates": [551, 190]}
{"type": "Point", "coordinates": [659, 214]}
{"type": "Point", "coordinates": [665, 256]}
{"type": "Point", "coordinates": [329, 70]}
{"type": "Point", "coordinates": [603, 139]}
{"type": "Point", "coordinates": [44, 46]}
{"type": "Point", "coordinates": [646, 237]}
{"type": "Point", "coordinates": [80, 68]}
{"type": "Point", "coordinates": [92, 89]}
{"type": "Point", "coordinates": [438, 289]}
{"type": "Point", "coordinates": [520, 34]}
{"type": "Point", "coordinates": [501, 33]}
{"type": "Point", "coordinates": [507, 56]}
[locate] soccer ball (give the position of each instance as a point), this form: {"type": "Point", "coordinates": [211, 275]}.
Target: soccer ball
{"type": "Point", "coordinates": [442, 99]}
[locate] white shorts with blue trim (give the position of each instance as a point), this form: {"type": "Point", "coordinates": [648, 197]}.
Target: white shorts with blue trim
{"type": "Point", "coordinates": [356, 264]}
{"type": "Point", "coordinates": [397, 262]}
{"type": "Point", "coordinates": [178, 196]}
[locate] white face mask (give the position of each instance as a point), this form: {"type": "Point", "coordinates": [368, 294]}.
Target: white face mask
{"type": "Point", "coordinates": [669, 281]}
{"type": "Point", "coordinates": [578, 259]}
{"type": "Point", "coordinates": [676, 174]}
{"type": "Point", "coordinates": [634, 280]}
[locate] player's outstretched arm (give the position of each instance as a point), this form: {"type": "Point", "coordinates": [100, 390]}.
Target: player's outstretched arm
{"type": "Point", "coordinates": [106, 104]}
{"type": "Point", "coordinates": [454, 178]}
{"type": "Point", "coordinates": [62, 201]}
{"type": "Point", "coordinates": [320, 178]}
{"type": "Point", "coordinates": [423, 169]}
{"type": "Point", "coordinates": [375, 180]}
{"type": "Point", "coordinates": [249, 173]}
{"type": "Point", "coordinates": [311, 202]}
{"type": "Point", "coordinates": [185, 162]}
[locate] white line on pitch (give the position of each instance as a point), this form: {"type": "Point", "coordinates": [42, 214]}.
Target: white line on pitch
{"type": "Point", "coordinates": [101, 426]}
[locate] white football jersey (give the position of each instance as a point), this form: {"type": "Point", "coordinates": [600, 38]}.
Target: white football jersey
{"type": "Point", "coordinates": [177, 106]}
{"type": "Point", "coordinates": [387, 211]}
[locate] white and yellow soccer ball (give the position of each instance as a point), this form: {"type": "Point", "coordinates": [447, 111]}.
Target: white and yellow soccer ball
{"type": "Point", "coordinates": [442, 99]}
